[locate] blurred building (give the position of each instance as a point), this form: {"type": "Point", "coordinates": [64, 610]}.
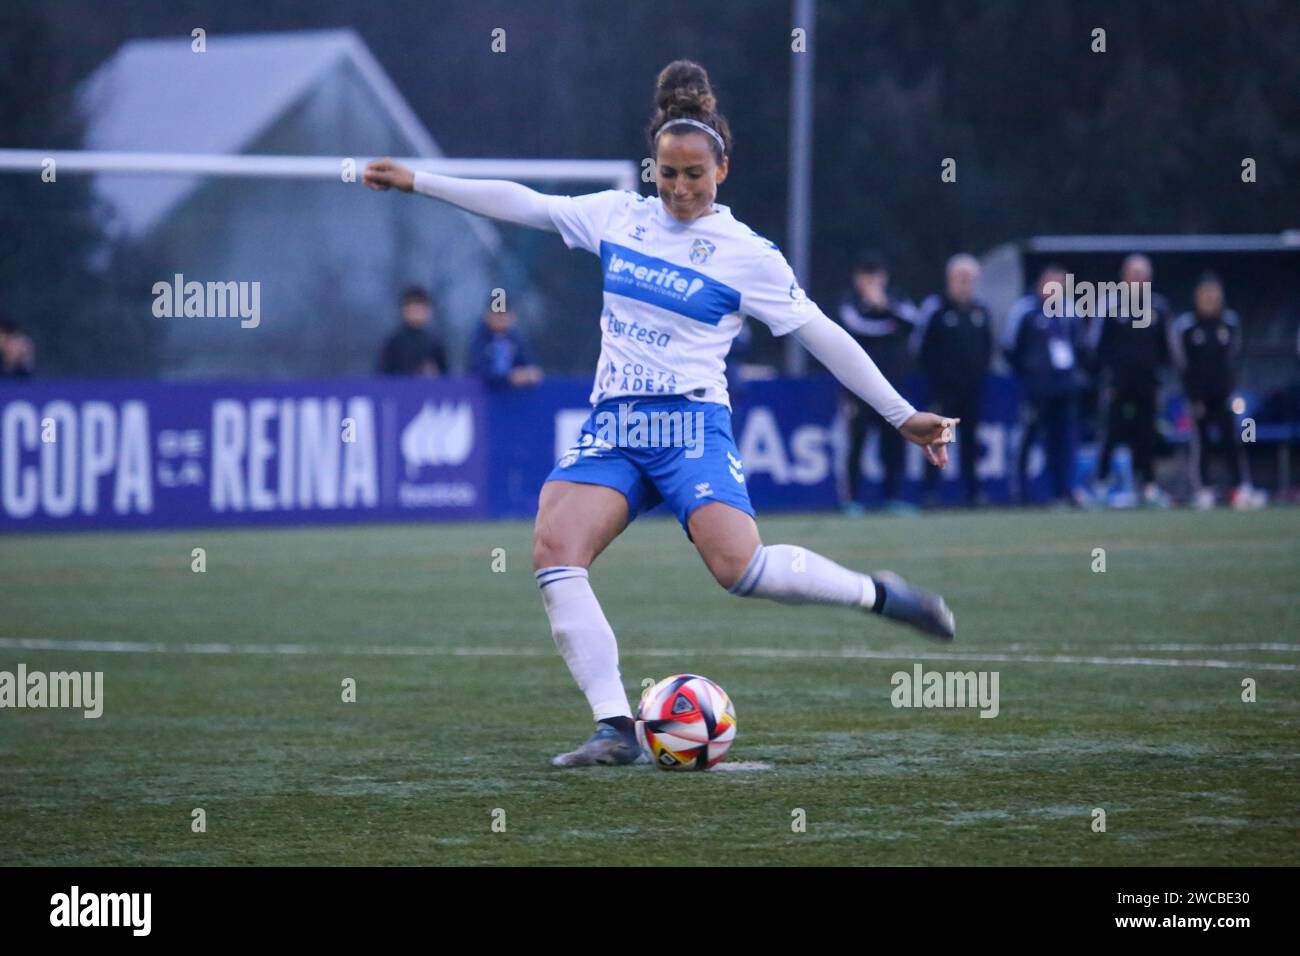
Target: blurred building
{"type": "Point", "coordinates": [330, 256]}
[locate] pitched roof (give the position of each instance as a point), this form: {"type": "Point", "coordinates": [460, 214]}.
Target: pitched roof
{"type": "Point", "coordinates": [161, 96]}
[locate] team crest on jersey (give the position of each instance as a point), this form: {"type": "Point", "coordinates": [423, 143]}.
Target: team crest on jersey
{"type": "Point", "coordinates": [701, 249]}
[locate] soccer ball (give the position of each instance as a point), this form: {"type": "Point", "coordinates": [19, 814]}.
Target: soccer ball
{"type": "Point", "coordinates": [686, 722]}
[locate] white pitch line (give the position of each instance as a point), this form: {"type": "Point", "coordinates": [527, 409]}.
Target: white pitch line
{"type": "Point", "coordinates": [740, 766]}
{"type": "Point", "coordinates": [1270, 646]}
{"type": "Point", "coordinates": [1292, 648]}
{"type": "Point", "coordinates": [848, 653]}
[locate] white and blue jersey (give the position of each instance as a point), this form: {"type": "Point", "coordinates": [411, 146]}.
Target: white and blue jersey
{"type": "Point", "coordinates": [675, 296]}
{"type": "Point", "coordinates": [675, 293]}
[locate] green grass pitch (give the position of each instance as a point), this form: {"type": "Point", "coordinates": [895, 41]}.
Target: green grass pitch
{"type": "Point", "coordinates": [225, 693]}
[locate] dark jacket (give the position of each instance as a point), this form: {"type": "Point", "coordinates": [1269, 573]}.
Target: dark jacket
{"type": "Point", "coordinates": [407, 350]}
{"type": "Point", "coordinates": [956, 344]}
{"type": "Point", "coordinates": [1041, 350]}
{"type": "Point", "coordinates": [883, 333]}
{"type": "Point", "coordinates": [1129, 357]}
{"type": "Point", "coordinates": [1206, 352]}
{"type": "Point", "coordinates": [493, 356]}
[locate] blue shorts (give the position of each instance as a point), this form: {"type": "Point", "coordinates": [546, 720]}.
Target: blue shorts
{"type": "Point", "coordinates": [656, 450]}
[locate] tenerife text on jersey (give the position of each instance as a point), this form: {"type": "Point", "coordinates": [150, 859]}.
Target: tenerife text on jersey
{"type": "Point", "coordinates": [659, 283]}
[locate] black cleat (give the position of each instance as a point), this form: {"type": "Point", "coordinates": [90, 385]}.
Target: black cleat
{"type": "Point", "coordinates": [923, 610]}
{"type": "Point", "coordinates": [606, 746]}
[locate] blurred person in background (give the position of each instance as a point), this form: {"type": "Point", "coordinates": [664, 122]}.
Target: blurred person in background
{"type": "Point", "coordinates": [1295, 407]}
{"type": "Point", "coordinates": [1206, 348]}
{"type": "Point", "coordinates": [956, 344]}
{"type": "Point", "coordinates": [1128, 360]}
{"type": "Point", "coordinates": [414, 349]}
{"type": "Point", "coordinates": [498, 354]}
{"type": "Point", "coordinates": [17, 351]}
{"type": "Point", "coordinates": [1040, 349]}
{"type": "Point", "coordinates": [883, 327]}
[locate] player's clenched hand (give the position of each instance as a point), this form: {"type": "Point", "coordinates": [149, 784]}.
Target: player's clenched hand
{"type": "Point", "coordinates": [933, 433]}
{"type": "Point", "coordinates": [383, 173]}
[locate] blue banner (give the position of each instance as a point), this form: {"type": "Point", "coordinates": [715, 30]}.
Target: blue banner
{"type": "Point", "coordinates": [152, 454]}
{"type": "Point", "coordinates": [120, 454]}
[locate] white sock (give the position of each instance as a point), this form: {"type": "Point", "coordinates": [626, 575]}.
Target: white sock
{"type": "Point", "coordinates": [794, 575]}
{"type": "Point", "coordinates": [585, 639]}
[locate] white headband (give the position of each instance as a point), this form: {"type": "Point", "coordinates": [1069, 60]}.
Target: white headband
{"type": "Point", "coordinates": [698, 125]}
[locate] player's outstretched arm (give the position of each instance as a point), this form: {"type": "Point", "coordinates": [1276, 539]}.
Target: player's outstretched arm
{"type": "Point", "coordinates": [494, 198]}
{"type": "Point", "coordinates": [831, 345]}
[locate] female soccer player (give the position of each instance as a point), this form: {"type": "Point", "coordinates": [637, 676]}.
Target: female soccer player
{"type": "Point", "coordinates": [679, 274]}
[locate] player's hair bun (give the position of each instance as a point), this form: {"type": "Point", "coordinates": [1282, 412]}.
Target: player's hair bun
{"type": "Point", "coordinates": [683, 91]}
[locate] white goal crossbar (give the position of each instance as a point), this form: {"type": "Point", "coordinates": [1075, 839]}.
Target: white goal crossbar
{"type": "Point", "coordinates": [621, 174]}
